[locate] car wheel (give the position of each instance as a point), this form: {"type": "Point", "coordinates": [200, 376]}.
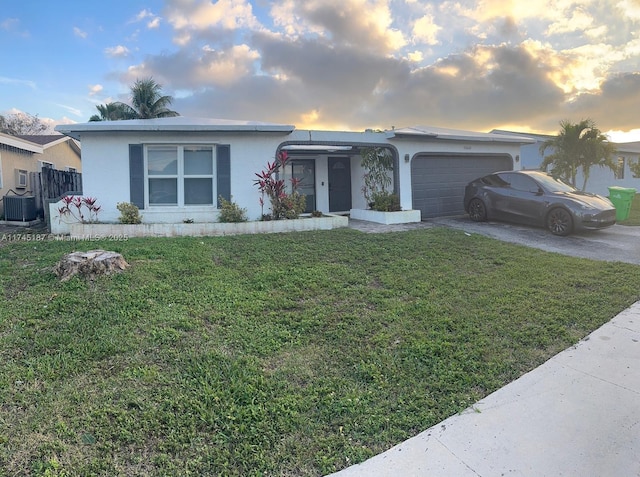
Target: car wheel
{"type": "Point", "coordinates": [559, 222]}
{"type": "Point", "coordinates": [477, 210]}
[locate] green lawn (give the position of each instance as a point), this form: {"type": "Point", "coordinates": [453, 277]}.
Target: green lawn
{"type": "Point", "coordinates": [280, 355]}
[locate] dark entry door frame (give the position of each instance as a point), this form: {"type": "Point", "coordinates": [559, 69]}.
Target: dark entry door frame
{"type": "Point", "coordinates": [339, 175]}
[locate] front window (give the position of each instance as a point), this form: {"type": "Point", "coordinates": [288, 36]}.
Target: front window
{"type": "Point", "coordinates": [302, 170]}
{"type": "Point", "coordinates": [180, 175]}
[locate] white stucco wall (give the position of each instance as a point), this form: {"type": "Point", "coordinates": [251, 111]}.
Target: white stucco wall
{"type": "Point", "coordinates": [106, 165]}
{"type": "Point", "coordinates": [106, 171]}
{"type": "Point", "coordinates": [601, 178]}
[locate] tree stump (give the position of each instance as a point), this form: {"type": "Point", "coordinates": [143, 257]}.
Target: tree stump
{"type": "Point", "coordinates": [89, 264]}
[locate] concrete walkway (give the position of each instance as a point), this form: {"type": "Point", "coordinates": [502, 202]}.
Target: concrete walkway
{"type": "Point", "coordinates": [576, 415]}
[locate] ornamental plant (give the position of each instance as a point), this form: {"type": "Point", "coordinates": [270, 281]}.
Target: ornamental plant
{"type": "Point", "coordinates": [231, 212]}
{"type": "Point", "coordinates": [283, 205]}
{"type": "Point", "coordinates": [378, 164]}
{"type": "Point", "coordinates": [79, 209]}
{"type": "Point", "coordinates": [129, 213]}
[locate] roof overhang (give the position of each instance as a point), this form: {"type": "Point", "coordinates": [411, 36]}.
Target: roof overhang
{"type": "Point", "coordinates": [176, 124]}
{"type": "Point", "coordinates": [20, 143]}
{"type": "Point", "coordinates": [316, 148]}
{"type": "Point", "coordinates": [433, 133]}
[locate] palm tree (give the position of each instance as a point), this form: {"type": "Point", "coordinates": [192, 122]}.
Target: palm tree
{"type": "Point", "coordinates": [577, 146]}
{"type": "Point", "coordinates": [111, 112]}
{"type": "Point", "coordinates": [147, 102]}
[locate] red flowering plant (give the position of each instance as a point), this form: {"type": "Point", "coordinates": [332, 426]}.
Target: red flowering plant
{"type": "Point", "coordinates": [284, 205]}
{"type": "Point", "coordinates": [73, 209]}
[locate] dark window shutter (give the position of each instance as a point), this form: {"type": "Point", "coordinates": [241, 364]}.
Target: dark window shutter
{"type": "Point", "coordinates": [223, 172]}
{"type": "Point", "coordinates": [136, 175]}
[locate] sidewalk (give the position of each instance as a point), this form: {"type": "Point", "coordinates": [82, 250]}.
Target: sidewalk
{"type": "Point", "coordinates": [576, 415]}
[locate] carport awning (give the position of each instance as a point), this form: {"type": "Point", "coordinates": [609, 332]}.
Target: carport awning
{"type": "Point", "coordinates": [316, 147]}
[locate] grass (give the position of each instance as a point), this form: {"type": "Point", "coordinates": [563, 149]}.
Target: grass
{"type": "Point", "coordinates": [280, 355]}
{"type": "Point", "coordinates": [634, 212]}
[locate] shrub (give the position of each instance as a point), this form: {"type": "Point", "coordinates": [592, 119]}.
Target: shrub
{"type": "Point", "coordinates": [293, 205]}
{"type": "Point", "coordinates": [385, 202]}
{"type": "Point", "coordinates": [231, 212]}
{"type": "Point", "coordinates": [316, 213]}
{"type": "Point", "coordinates": [283, 205]}
{"type": "Point", "coordinates": [129, 213]}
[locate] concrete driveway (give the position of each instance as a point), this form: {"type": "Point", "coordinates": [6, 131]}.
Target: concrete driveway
{"type": "Point", "coordinates": [617, 243]}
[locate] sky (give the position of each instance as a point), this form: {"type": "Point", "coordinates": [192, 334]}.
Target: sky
{"type": "Point", "coordinates": [520, 65]}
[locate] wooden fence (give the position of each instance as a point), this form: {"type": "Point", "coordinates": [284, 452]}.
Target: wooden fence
{"type": "Point", "coordinates": [50, 185]}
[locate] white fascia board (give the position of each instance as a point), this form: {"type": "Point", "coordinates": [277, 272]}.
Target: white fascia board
{"type": "Point", "coordinates": [426, 132]}
{"type": "Point", "coordinates": [177, 124]}
{"type": "Point", "coordinates": [20, 143]}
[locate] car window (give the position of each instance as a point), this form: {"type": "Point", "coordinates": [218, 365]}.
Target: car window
{"type": "Point", "coordinates": [553, 184]}
{"type": "Point", "coordinates": [523, 183]}
{"type": "Point", "coordinates": [495, 180]}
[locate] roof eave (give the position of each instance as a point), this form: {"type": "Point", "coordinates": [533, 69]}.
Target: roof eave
{"type": "Point", "coordinates": [20, 143]}
{"type": "Point", "coordinates": [454, 137]}
{"type": "Point", "coordinates": [75, 130]}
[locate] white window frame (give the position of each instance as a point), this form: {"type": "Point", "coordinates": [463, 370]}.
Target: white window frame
{"type": "Point", "coordinates": [46, 164]}
{"type": "Point", "coordinates": [18, 173]}
{"type": "Point", "coordinates": [70, 169]}
{"type": "Point", "coordinates": [180, 175]}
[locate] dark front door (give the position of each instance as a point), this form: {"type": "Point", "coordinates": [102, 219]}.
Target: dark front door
{"type": "Point", "coordinates": [339, 184]}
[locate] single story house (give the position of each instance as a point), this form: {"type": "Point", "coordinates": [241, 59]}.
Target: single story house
{"type": "Point", "coordinates": [174, 169]}
{"type": "Point", "coordinates": [600, 178]}
{"type": "Point", "coordinates": [22, 155]}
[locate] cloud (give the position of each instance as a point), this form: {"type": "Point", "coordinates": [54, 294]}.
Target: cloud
{"type": "Point", "coordinates": [95, 89]}
{"type": "Point", "coordinates": [79, 33]}
{"type": "Point", "coordinates": [425, 30]}
{"type": "Point", "coordinates": [199, 15]}
{"type": "Point", "coordinates": [116, 51]}
{"type": "Point", "coordinates": [207, 67]}
{"type": "Point", "coordinates": [366, 24]}
{"type": "Point", "coordinates": [28, 83]}
{"type": "Point", "coordinates": [355, 64]}
{"type": "Point", "coordinates": [10, 24]}
{"type": "Point", "coordinates": [615, 106]}
{"type": "Point", "coordinates": [630, 8]}
{"type": "Point", "coordinates": [153, 20]}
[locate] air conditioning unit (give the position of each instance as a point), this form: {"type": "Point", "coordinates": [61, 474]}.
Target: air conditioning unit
{"type": "Point", "coordinates": [19, 208]}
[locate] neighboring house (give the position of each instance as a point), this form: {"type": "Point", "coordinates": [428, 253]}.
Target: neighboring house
{"type": "Point", "coordinates": [21, 155]}
{"type": "Point", "coordinates": [175, 169]}
{"type": "Point", "coordinates": [58, 152]}
{"type": "Point", "coordinates": [600, 178]}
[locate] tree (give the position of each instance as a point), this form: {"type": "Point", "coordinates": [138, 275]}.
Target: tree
{"type": "Point", "coordinates": [110, 112]}
{"type": "Point", "coordinates": [577, 146]}
{"type": "Point", "coordinates": [22, 124]}
{"type": "Point", "coordinates": [147, 102]}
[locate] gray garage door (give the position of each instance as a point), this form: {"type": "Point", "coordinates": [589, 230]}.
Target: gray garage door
{"type": "Point", "coordinates": [438, 182]}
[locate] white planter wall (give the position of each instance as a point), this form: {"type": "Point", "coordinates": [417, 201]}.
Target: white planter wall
{"type": "Point", "coordinates": [124, 231]}
{"type": "Point", "coordinates": [387, 218]}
